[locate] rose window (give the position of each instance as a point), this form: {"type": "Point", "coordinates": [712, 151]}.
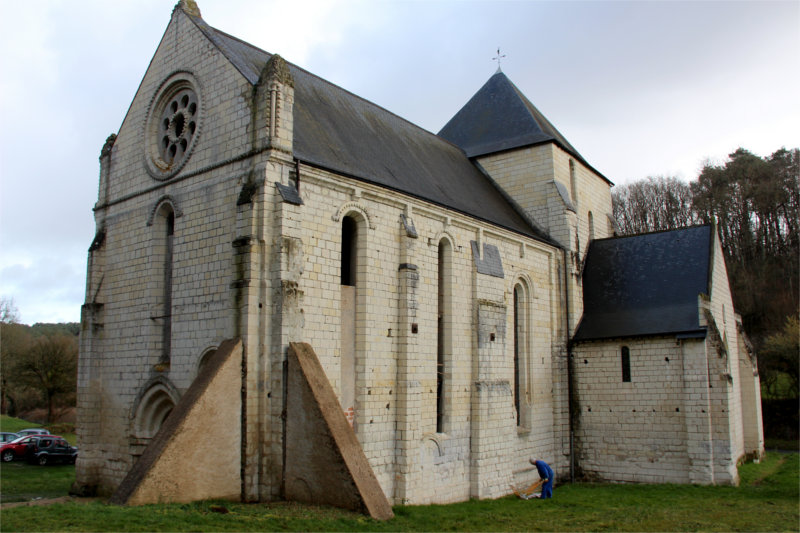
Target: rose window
{"type": "Point", "coordinates": [177, 126]}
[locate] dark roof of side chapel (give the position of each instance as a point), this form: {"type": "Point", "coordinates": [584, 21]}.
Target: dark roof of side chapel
{"type": "Point", "coordinates": [498, 118]}
{"type": "Point", "coordinates": [645, 284]}
{"type": "Point", "coordinates": [339, 131]}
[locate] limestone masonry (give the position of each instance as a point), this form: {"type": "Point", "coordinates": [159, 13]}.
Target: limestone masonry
{"type": "Point", "coordinates": [465, 294]}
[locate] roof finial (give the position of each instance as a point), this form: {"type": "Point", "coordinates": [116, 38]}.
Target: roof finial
{"type": "Point", "coordinates": [189, 7]}
{"type": "Point", "coordinates": [498, 58]}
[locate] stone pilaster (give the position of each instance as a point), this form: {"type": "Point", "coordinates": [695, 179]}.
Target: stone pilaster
{"type": "Point", "coordinates": [285, 270]}
{"type": "Point", "coordinates": [249, 316]}
{"type": "Point", "coordinates": [697, 412]}
{"type": "Point", "coordinates": [409, 382]}
{"type": "Point", "coordinates": [493, 420]}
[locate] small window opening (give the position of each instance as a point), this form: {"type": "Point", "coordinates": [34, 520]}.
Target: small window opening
{"type": "Point", "coordinates": [626, 365]}
{"type": "Point", "coordinates": [442, 333]}
{"type": "Point", "coordinates": [349, 247]}
{"type": "Point", "coordinates": [517, 347]}
{"type": "Point", "coordinates": [178, 122]}
{"type": "Point", "coordinates": [573, 182]}
{"type": "Point", "coordinates": [166, 350]}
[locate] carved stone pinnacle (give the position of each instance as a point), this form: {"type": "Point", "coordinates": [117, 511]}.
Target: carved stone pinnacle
{"type": "Point", "coordinates": [278, 70]}
{"type": "Point", "coordinates": [189, 7]}
{"type": "Point", "coordinates": [108, 145]}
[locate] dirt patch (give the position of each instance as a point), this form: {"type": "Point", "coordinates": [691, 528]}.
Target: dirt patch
{"type": "Point", "coordinates": [46, 501]}
{"type": "Point", "coordinates": [768, 472]}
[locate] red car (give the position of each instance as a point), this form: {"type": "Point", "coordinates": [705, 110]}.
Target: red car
{"type": "Point", "coordinates": [18, 448]}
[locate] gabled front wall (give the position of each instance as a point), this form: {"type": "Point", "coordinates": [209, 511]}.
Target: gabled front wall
{"type": "Point", "coordinates": [224, 94]}
{"type": "Point", "coordinates": [124, 387]}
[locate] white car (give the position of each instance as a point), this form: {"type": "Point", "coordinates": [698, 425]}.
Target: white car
{"type": "Point", "coordinates": [8, 437]}
{"type": "Point", "coordinates": [33, 431]}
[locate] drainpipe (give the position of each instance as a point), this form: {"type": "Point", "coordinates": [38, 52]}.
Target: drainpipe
{"type": "Point", "coordinates": [569, 372]}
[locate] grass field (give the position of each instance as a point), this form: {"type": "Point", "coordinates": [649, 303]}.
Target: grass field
{"type": "Point", "coordinates": [8, 423]}
{"type": "Point", "coordinates": [767, 500]}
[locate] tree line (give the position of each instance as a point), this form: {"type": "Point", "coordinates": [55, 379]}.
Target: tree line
{"type": "Point", "coordinates": [38, 365]}
{"type": "Point", "coordinates": [755, 204]}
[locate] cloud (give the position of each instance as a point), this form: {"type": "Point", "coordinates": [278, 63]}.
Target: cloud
{"type": "Point", "coordinates": [44, 288]}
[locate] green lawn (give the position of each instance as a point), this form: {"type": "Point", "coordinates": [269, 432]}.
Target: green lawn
{"type": "Point", "coordinates": [8, 423]}
{"type": "Point", "coordinates": [767, 500]}
{"type": "Point", "coordinates": [20, 482]}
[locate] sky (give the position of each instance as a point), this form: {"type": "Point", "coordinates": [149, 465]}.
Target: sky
{"type": "Point", "coordinates": [647, 88]}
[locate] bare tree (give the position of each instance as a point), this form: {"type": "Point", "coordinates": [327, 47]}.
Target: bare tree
{"type": "Point", "coordinates": [9, 314]}
{"type": "Point", "coordinates": [653, 204]}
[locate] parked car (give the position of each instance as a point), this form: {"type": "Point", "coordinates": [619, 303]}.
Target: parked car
{"type": "Point", "coordinates": [8, 437]}
{"type": "Point", "coordinates": [33, 431]}
{"type": "Point", "coordinates": [51, 449]}
{"type": "Point", "coordinates": [17, 449]}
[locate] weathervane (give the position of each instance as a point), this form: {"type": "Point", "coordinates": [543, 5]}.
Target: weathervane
{"type": "Point", "coordinates": [498, 58]}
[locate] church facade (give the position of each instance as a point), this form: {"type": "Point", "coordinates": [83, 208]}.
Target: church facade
{"type": "Point", "coordinates": [444, 282]}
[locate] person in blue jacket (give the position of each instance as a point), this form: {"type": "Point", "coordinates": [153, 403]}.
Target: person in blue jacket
{"type": "Point", "coordinates": [546, 473]}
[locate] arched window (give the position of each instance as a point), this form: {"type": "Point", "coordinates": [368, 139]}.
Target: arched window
{"type": "Point", "coordinates": [350, 294]}
{"type": "Point", "coordinates": [349, 251]}
{"type": "Point", "coordinates": [444, 290]}
{"type": "Point", "coordinates": [626, 364]}
{"type": "Point", "coordinates": [521, 352]}
{"type": "Point", "coordinates": [164, 235]}
{"type": "Point", "coordinates": [205, 358]}
{"type": "Point", "coordinates": [154, 407]}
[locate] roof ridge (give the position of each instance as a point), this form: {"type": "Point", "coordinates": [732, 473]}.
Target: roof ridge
{"type": "Point", "coordinates": [328, 82]}
{"type": "Point", "coordinates": [440, 180]}
{"type": "Point", "coordinates": [655, 232]}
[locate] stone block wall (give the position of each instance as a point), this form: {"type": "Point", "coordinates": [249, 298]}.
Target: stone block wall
{"type": "Point", "coordinates": [558, 192]}
{"type": "Point", "coordinates": [397, 336]}
{"type": "Point", "coordinates": [634, 431]}
{"type": "Point", "coordinates": [728, 397]}
{"type": "Point", "coordinates": [527, 175]}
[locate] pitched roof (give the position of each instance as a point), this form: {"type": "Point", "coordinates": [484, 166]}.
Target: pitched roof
{"type": "Point", "coordinates": [499, 117]}
{"type": "Point", "coordinates": [645, 284]}
{"type": "Point", "coordinates": [339, 131]}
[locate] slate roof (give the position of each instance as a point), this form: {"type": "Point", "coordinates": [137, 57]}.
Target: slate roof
{"type": "Point", "coordinates": [645, 284]}
{"type": "Point", "coordinates": [339, 131]}
{"type": "Point", "coordinates": [499, 117]}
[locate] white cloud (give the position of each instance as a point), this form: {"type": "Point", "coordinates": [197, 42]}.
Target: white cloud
{"type": "Point", "coordinates": [44, 288]}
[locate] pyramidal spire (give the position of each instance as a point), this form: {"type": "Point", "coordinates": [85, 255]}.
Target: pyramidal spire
{"type": "Point", "coordinates": [189, 7]}
{"type": "Point", "coordinates": [499, 117]}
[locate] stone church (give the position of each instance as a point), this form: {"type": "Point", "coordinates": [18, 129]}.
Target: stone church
{"type": "Point", "coordinates": [296, 294]}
